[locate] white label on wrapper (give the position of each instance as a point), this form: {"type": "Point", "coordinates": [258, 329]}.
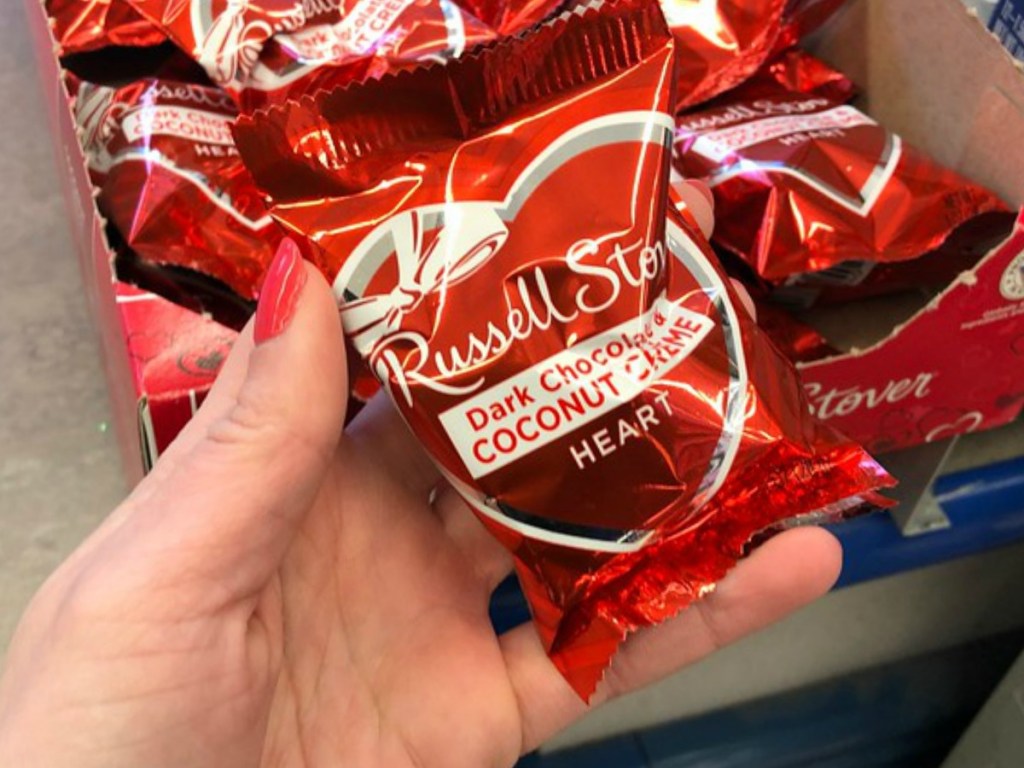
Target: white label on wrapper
{"type": "Point", "coordinates": [192, 124]}
{"type": "Point", "coordinates": [572, 388]}
{"type": "Point", "coordinates": [359, 32]}
{"type": "Point", "coordinates": [718, 145]}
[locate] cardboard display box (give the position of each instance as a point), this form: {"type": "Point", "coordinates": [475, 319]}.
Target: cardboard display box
{"type": "Point", "coordinates": [930, 71]}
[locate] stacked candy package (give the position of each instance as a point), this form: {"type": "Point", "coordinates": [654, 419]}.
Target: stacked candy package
{"type": "Point", "coordinates": [724, 42]}
{"type": "Point", "coordinates": [262, 51]}
{"type": "Point", "coordinates": [267, 51]}
{"type": "Point", "coordinates": [170, 179]}
{"type": "Point", "coordinates": [88, 25]}
{"type": "Point", "coordinates": [822, 202]}
{"type": "Point", "coordinates": [160, 150]}
{"type": "Point", "coordinates": [498, 234]}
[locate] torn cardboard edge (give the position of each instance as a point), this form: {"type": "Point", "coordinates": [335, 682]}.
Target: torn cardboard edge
{"type": "Point", "coordinates": [913, 308]}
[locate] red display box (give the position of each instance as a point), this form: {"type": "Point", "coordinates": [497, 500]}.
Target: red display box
{"type": "Point", "coordinates": [930, 71]}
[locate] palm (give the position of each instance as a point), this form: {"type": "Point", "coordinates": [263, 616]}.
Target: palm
{"type": "Point", "coordinates": [388, 657]}
{"type": "Point", "coordinates": [387, 646]}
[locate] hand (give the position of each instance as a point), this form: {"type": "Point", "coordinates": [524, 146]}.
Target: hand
{"type": "Point", "coordinates": [272, 595]}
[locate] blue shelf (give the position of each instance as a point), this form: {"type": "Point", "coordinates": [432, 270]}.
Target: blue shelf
{"type": "Point", "coordinates": [905, 714]}
{"type": "Point", "coordinates": [618, 752]}
{"type": "Point", "coordinates": [985, 507]}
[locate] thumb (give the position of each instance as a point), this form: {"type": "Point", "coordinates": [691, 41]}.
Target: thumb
{"type": "Point", "coordinates": [223, 504]}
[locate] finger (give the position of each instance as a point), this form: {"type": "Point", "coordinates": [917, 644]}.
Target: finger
{"type": "Point", "coordinates": [745, 299]}
{"type": "Point", "coordinates": [490, 560]}
{"type": "Point", "coordinates": [696, 197]}
{"type": "Point", "coordinates": [226, 510]}
{"type": "Point", "coordinates": [382, 434]}
{"type": "Point", "coordinates": [784, 574]}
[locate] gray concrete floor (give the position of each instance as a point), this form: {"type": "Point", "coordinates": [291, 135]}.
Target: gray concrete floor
{"type": "Point", "coordinates": [59, 469]}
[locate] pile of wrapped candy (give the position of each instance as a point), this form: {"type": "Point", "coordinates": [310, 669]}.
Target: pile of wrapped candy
{"type": "Point", "coordinates": [495, 191]}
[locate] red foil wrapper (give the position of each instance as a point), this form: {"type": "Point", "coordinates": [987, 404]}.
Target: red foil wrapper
{"type": "Point", "coordinates": [798, 341]}
{"type": "Point", "coordinates": [802, 17]}
{"type": "Point", "coordinates": [508, 17]}
{"type": "Point", "coordinates": [823, 202]}
{"type": "Point", "coordinates": [796, 70]}
{"type": "Point", "coordinates": [171, 180]}
{"type": "Point", "coordinates": [559, 338]}
{"type": "Point", "coordinates": [86, 25]}
{"type": "Point", "coordinates": [724, 42]}
{"type": "Point", "coordinates": [721, 43]}
{"type": "Point", "coordinates": [227, 36]}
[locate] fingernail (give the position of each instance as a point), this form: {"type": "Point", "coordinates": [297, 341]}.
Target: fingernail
{"type": "Point", "coordinates": [280, 293]}
{"type": "Point", "coordinates": [704, 190]}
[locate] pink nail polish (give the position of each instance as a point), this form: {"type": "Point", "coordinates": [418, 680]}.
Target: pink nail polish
{"type": "Point", "coordinates": [280, 293]}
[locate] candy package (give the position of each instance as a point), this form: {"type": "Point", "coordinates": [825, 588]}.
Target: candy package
{"type": "Point", "coordinates": [721, 43]}
{"type": "Point", "coordinates": [373, 37]}
{"type": "Point", "coordinates": [558, 337]}
{"type": "Point", "coordinates": [508, 17]}
{"type": "Point", "coordinates": [227, 36]}
{"type": "Point", "coordinates": [87, 25]}
{"type": "Point", "coordinates": [802, 17]}
{"type": "Point", "coordinates": [823, 202]}
{"type": "Point", "coordinates": [185, 287]}
{"type": "Point", "coordinates": [724, 42]}
{"type": "Point", "coordinates": [263, 51]}
{"type": "Point", "coordinates": [797, 71]}
{"type": "Point", "coordinates": [171, 182]}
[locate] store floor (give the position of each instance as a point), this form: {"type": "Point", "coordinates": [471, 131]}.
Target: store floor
{"type": "Point", "coordinates": [60, 473]}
